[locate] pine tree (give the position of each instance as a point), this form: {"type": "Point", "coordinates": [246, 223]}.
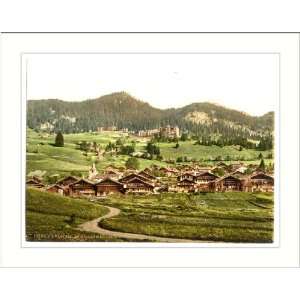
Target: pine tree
{"type": "Point", "coordinates": [59, 140]}
{"type": "Point", "coordinates": [262, 165]}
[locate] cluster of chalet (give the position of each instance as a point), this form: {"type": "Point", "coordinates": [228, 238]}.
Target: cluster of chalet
{"type": "Point", "coordinates": [187, 180]}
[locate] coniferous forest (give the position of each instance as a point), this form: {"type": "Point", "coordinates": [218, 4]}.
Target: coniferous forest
{"type": "Point", "coordinates": [221, 126]}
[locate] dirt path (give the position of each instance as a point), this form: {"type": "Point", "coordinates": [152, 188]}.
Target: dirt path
{"type": "Point", "coordinates": [92, 226]}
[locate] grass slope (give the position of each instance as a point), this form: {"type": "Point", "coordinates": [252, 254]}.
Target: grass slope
{"type": "Point", "coordinates": [48, 218]}
{"type": "Point", "coordinates": [227, 217]}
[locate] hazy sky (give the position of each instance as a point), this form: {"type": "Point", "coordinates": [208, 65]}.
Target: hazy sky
{"type": "Point", "coordinates": [247, 82]}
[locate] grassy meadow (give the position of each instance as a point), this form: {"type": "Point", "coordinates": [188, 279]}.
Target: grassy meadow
{"type": "Point", "coordinates": [43, 156]}
{"type": "Point", "coordinates": [220, 217]}
{"type": "Point", "coordinates": [51, 217]}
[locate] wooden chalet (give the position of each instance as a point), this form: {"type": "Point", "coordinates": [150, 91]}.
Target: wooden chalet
{"type": "Point", "coordinates": [186, 175]}
{"type": "Point", "coordinates": [59, 189]}
{"type": "Point", "coordinates": [205, 178]}
{"type": "Point", "coordinates": [82, 187]}
{"type": "Point", "coordinates": [108, 186]}
{"type": "Point", "coordinates": [34, 182]}
{"type": "Point", "coordinates": [67, 181]}
{"type": "Point", "coordinates": [227, 183]}
{"type": "Point", "coordinates": [64, 183]}
{"type": "Point", "coordinates": [186, 185]}
{"type": "Point", "coordinates": [262, 182]}
{"type": "Point", "coordinates": [133, 175]}
{"type": "Point", "coordinates": [204, 181]}
{"type": "Point", "coordinates": [139, 186]}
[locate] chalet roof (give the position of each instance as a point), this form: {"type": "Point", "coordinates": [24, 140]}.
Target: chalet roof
{"type": "Point", "coordinates": [68, 177]}
{"type": "Point", "coordinates": [227, 177]}
{"type": "Point", "coordinates": [262, 174]}
{"type": "Point", "coordinates": [35, 182]}
{"type": "Point", "coordinates": [56, 185]}
{"type": "Point", "coordinates": [133, 175]}
{"type": "Point", "coordinates": [206, 173]}
{"type": "Point", "coordinates": [108, 179]}
{"type": "Point", "coordinates": [111, 171]}
{"type": "Point", "coordinates": [30, 180]}
{"type": "Point", "coordinates": [82, 180]}
{"type": "Point", "coordinates": [140, 180]}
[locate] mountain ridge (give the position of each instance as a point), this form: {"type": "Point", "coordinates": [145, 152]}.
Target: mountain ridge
{"type": "Point", "coordinates": [125, 111]}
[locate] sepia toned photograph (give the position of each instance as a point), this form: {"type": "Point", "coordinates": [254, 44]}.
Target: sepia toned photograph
{"type": "Point", "coordinates": [151, 147]}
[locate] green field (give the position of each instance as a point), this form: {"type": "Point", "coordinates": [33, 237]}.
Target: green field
{"type": "Point", "coordinates": [43, 156]}
{"type": "Point", "coordinates": [48, 218]}
{"type": "Point", "coordinates": [228, 217]}
{"type": "Point", "coordinates": [221, 217]}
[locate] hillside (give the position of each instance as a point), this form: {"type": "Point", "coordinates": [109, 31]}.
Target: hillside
{"type": "Point", "coordinates": [124, 111]}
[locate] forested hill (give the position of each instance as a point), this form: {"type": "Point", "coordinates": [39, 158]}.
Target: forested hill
{"type": "Point", "coordinates": [124, 111]}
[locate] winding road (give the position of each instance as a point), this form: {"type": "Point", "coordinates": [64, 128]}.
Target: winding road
{"type": "Point", "coordinates": [93, 226]}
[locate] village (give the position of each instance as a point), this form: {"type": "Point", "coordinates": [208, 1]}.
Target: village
{"type": "Point", "coordinates": [183, 179]}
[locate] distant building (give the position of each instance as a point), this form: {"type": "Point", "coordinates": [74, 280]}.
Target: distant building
{"type": "Point", "coordinates": [147, 132]}
{"type": "Point", "coordinates": [47, 126]}
{"type": "Point", "coordinates": [111, 128]}
{"type": "Point", "coordinates": [169, 132]}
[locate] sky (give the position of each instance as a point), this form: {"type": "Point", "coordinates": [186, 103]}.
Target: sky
{"type": "Point", "coordinates": [246, 82]}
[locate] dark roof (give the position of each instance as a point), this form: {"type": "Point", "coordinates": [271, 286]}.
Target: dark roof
{"type": "Point", "coordinates": [140, 180]}
{"type": "Point", "coordinates": [56, 185]}
{"type": "Point", "coordinates": [133, 175]}
{"type": "Point", "coordinates": [226, 177]}
{"type": "Point", "coordinates": [110, 180]}
{"type": "Point", "coordinates": [206, 173]}
{"type": "Point", "coordinates": [82, 180]}
{"type": "Point", "coordinates": [262, 174]}
{"type": "Point", "coordinates": [68, 177]}
{"type": "Point", "coordinates": [34, 182]}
